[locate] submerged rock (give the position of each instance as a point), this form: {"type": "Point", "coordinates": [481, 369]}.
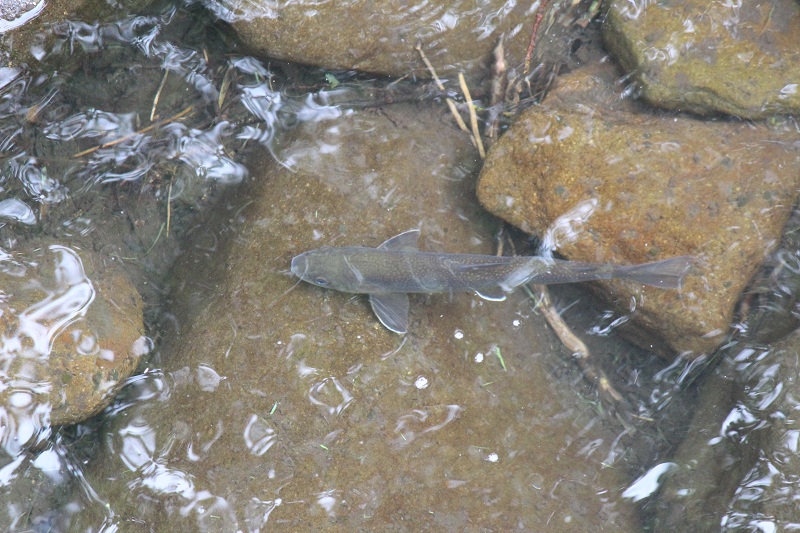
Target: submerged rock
{"type": "Point", "coordinates": [739, 468]}
{"type": "Point", "coordinates": [27, 20]}
{"type": "Point", "coordinates": [73, 333]}
{"type": "Point", "coordinates": [651, 187]}
{"type": "Point", "coordinates": [382, 36]}
{"type": "Point", "coordinates": [286, 405]}
{"type": "Point", "coordinates": [740, 58]}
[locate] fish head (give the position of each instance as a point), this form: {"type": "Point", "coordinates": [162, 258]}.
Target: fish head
{"type": "Point", "coordinates": [330, 268]}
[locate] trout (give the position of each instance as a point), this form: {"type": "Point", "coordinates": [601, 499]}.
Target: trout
{"type": "Point", "coordinates": [397, 267]}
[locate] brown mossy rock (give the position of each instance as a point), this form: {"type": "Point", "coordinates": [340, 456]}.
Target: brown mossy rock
{"type": "Point", "coordinates": [710, 57]}
{"type": "Point", "coordinates": [95, 355]}
{"type": "Point", "coordinates": [73, 332]}
{"type": "Point", "coordinates": [382, 36]}
{"type": "Point", "coordinates": [663, 186]}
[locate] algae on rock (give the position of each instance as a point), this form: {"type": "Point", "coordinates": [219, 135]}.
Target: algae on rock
{"type": "Point", "coordinates": [662, 186]}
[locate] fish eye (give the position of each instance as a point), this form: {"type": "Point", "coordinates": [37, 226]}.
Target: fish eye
{"type": "Point", "coordinates": [320, 281]}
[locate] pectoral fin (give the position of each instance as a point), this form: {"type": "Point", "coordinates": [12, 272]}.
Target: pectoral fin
{"type": "Point", "coordinates": [495, 294]}
{"type": "Point", "coordinates": [392, 310]}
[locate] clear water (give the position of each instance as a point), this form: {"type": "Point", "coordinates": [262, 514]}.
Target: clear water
{"type": "Point", "coordinates": [480, 422]}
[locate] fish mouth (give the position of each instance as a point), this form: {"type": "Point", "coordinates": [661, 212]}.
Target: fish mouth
{"type": "Point", "coordinates": [299, 265]}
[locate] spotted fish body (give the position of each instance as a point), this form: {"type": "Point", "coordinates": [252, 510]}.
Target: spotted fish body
{"type": "Point", "coordinates": [394, 269]}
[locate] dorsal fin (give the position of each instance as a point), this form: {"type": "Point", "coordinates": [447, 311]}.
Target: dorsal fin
{"type": "Point", "coordinates": [406, 241]}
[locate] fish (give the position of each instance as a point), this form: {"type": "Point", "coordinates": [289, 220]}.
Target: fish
{"type": "Point", "coordinates": [397, 268]}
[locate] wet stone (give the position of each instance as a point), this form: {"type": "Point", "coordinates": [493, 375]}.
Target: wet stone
{"type": "Point", "coordinates": [739, 466]}
{"type": "Point", "coordinates": [739, 58]}
{"type": "Point", "coordinates": [72, 333]}
{"type": "Point", "coordinates": [16, 13]}
{"type": "Point", "coordinates": [27, 21]}
{"type": "Point", "coordinates": [650, 187]}
{"type": "Point", "coordinates": [381, 36]}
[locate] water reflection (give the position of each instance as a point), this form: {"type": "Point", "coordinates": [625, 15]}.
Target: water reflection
{"type": "Point", "coordinates": [330, 396]}
{"type": "Point", "coordinates": [27, 346]}
{"type": "Point", "coordinates": [258, 436]}
{"type": "Point", "coordinates": [79, 147]}
{"type": "Point", "coordinates": [136, 444]}
{"type": "Point", "coordinates": [16, 14]}
{"type": "Point", "coordinates": [17, 211]}
{"type": "Point", "coordinates": [421, 421]}
{"type": "Point", "coordinates": [257, 512]}
{"type": "Point", "coordinates": [33, 176]}
{"type": "Point", "coordinates": [93, 124]}
{"type": "Point", "coordinates": [328, 500]}
{"type": "Point", "coordinates": [648, 484]}
{"type": "Point", "coordinates": [68, 301]}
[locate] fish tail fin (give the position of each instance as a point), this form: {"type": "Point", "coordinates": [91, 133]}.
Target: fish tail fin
{"type": "Point", "coordinates": [666, 274]}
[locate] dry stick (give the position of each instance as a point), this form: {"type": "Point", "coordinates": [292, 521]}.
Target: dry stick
{"type": "Point", "coordinates": [139, 132]}
{"type": "Point", "coordinates": [169, 206]}
{"type": "Point", "coordinates": [565, 334]}
{"type": "Point", "coordinates": [158, 95]}
{"type": "Point", "coordinates": [450, 103]}
{"type": "Point", "coordinates": [579, 350]}
{"type": "Point", "coordinates": [498, 89]}
{"type": "Point", "coordinates": [227, 79]}
{"type": "Point", "coordinates": [473, 117]}
{"type": "Point", "coordinates": [531, 44]}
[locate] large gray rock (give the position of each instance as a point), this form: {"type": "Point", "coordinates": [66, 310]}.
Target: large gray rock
{"type": "Point", "coordinates": [740, 58]}
{"type": "Point", "coordinates": [286, 405]}
{"type": "Point", "coordinates": [660, 186]}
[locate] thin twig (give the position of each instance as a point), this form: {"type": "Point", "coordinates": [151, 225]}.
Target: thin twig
{"type": "Point", "coordinates": [169, 206]}
{"type": "Point", "coordinates": [430, 67]}
{"type": "Point", "coordinates": [450, 103]}
{"type": "Point", "coordinates": [459, 120]}
{"type": "Point", "coordinates": [227, 79]}
{"type": "Point", "coordinates": [499, 85]}
{"type": "Point", "coordinates": [131, 135]}
{"type": "Point", "coordinates": [532, 43]}
{"type": "Point", "coordinates": [158, 95]}
{"type": "Point", "coordinates": [579, 350]}
{"type": "Point", "coordinates": [160, 231]}
{"type": "Point", "coordinates": [473, 117]}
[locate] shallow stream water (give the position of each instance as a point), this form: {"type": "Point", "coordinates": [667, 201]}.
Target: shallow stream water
{"type": "Point", "coordinates": [154, 141]}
